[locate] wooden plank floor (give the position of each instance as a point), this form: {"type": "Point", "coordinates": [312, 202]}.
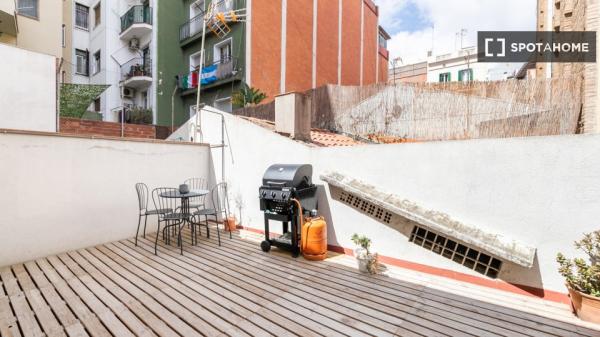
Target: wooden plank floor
{"type": "Point", "coordinates": [119, 289]}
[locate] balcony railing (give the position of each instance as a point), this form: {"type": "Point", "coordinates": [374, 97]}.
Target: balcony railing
{"type": "Point", "coordinates": [210, 74]}
{"type": "Point", "coordinates": [136, 67]}
{"type": "Point", "coordinates": [136, 14]}
{"type": "Point", "coordinates": [191, 27]}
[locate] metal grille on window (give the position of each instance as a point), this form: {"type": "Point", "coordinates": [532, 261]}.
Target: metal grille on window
{"type": "Point", "coordinates": [366, 207]}
{"type": "Point", "coordinates": [459, 253]}
{"type": "Point", "coordinates": [81, 16]}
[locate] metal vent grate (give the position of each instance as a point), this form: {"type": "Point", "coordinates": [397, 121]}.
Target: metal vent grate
{"type": "Point", "coordinates": [468, 257]}
{"type": "Point", "coordinates": [366, 207]}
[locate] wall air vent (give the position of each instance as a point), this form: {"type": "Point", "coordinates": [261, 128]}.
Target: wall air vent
{"type": "Point", "coordinates": [459, 253]}
{"type": "Point", "coordinates": [366, 207]}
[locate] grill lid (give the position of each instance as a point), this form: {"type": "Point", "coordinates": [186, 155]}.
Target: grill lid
{"type": "Point", "coordinates": [288, 175]}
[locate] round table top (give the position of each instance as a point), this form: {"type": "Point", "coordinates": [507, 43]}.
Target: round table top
{"type": "Point", "coordinates": [190, 194]}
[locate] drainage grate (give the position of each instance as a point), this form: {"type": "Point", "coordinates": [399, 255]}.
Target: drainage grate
{"type": "Point", "coordinates": [366, 207]}
{"type": "Point", "coordinates": [468, 257]}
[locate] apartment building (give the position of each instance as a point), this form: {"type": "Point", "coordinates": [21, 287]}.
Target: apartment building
{"type": "Point", "coordinates": [33, 25]}
{"type": "Point", "coordinates": [462, 66]}
{"type": "Point", "coordinates": [282, 46]}
{"type": "Point", "coordinates": [110, 42]}
{"type": "Point", "coordinates": [573, 15]}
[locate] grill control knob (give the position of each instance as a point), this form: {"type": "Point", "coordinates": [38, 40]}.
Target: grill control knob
{"type": "Point", "coordinates": [264, 194]}
{"type": "Point", "coordinates": [273, 194]}
{"type": "Point", "coordinates": [284, 196]}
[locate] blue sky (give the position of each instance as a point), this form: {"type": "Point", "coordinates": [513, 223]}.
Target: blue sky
{"type": "Point", "coordinates": [410, 22]}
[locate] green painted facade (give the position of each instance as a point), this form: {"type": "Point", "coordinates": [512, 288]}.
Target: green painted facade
{"type": "Point", "coordinates": [173, 59]}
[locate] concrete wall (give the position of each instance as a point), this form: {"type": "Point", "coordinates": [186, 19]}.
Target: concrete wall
{"type": "Point", "coordinates": [28, 90]}
{"type": "Point", "coordinates": [541, 191]}
{"type": "Point", "coordinates": [61, 193]}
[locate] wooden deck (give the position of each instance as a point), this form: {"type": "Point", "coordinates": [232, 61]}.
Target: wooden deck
{"type": "Point", "coordinates": [119, 289]}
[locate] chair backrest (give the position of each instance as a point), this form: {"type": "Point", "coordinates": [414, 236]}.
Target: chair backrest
{"type": "Point", "coordinates": [197, 184]}
{"type": "Point", "coordinates": [165, 203]}
{"type": "Point", "coordinates": [220, 198]}
{"type": "Point", "coordinates": [142, 193]}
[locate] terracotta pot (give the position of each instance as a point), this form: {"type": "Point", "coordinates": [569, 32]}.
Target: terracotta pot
{"type": "Point", "coordinates": [230, 224]}
{"type": "Point", "coordinates": [585, 306]}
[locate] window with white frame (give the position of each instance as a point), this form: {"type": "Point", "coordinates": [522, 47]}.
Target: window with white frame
{"type": "Point", "coordinates": [97, 62]}
{"type": "Point", "coordinates": [223, 51]}
{"type": "Point", "coordinates": [224, 6]}
{"type": "Point", "coordinates": [82, 14]}
{"type": "Point", "coordinates": [81, 62]}
{"type": "Point", "coordinates": [28, 8]}
{"type": "Point", "coordinates": [224, 104]}
{"type": "Point", "coordinates": [194, 61]}
{"type": "Point", "coordinates": [196, 12]}
{"type": "Point", "coordinates": [97, 15]}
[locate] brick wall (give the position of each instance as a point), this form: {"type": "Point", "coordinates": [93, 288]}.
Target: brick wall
{"type": "Point", "coordinates": [99, 128]}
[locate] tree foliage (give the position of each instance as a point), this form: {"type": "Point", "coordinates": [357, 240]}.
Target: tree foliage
{"type": "Point", "coordinates": [76, 98]}
{"type": "Point", "coordinates": [248, 96]}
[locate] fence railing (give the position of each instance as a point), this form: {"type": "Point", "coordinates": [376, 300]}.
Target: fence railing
{"type": "Point", "coordinates": [216, 71]}
{"type": "Point", "coordinates": [136, 67]}
{"type": "Point", "coordinates": [136, 14]}
{"type": "Point", "coordinates": [192, 27]}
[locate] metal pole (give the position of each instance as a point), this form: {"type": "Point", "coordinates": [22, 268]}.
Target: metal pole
{"type": "Point", "coordinates": [198, 131]}
{"type": "Point", "coordinates": [222, 147]}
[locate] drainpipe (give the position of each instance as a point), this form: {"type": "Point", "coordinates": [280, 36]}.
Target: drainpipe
{"type": "Point", "coordinates": [173, 108]}
{"type": "Point", "coordinates": [57, 94]}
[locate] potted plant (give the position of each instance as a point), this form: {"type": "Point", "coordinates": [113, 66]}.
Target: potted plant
{"type": "Point", "coordinates": [583, 279]}
{"type": "Point", "coordinates": [230, 223]}
{"type": "Point", "coordinates": [367, 261]}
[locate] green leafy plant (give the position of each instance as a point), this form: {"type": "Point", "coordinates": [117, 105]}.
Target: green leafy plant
{"type": "Point", "coordinates": [75, 98]}
{"type": "Point", "coordinates": [578, 274]}
{"type": "Point", "coordinates": [361, 241]}
{"type": "Point", "coordinates": [364, 243]}
{"type": "Point", "coordinates": [248, 96]}
{"type": "Point", "coordinates": [138, 115]}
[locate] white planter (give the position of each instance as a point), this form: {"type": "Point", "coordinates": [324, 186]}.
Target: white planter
{"type": "Point", "coordinates": [362, 259]}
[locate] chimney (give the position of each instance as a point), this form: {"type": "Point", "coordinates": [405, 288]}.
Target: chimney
{"type": "Point", "coordinates": [293, 115]}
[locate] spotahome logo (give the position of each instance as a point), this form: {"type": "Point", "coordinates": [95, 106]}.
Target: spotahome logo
{"type": "Point", "coordinates": [536, 46]}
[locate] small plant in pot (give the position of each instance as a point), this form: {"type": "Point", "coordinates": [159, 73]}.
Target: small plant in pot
{"type": "Point", "coordinates": [583, 279]}
{"type": "Point", "coordinates": [367, 261]}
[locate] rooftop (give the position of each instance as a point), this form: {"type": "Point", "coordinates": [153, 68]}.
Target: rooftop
{"type": "Point", "coordinates": [235, 290]}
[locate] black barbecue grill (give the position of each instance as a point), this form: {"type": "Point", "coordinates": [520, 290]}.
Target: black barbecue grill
{"type": "Point", "coordinates": [281, 184]}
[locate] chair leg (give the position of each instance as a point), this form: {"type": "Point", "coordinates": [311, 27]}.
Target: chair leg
{"type": "Point", "coordinates": [207, 229]}
{"type": "Point", "coordinates": [218, 233]}
{"type": "Point", "coordinates": [145, 222]}
{"type": "Point", "coordinates": [156, 239]}
{"type": "Point", "coordinates": [138, 229]}
{"type": "Point", "coordinates": [179, 239]}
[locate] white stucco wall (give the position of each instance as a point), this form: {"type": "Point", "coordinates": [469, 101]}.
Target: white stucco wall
{"type": "Point", "coordinates": [62, 193]}
{"type": "Point", "coordinates": [541, 191]}
{"type": "Point", "coordinates": [27, 90]}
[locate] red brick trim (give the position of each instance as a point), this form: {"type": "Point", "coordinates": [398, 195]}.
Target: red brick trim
{"type": "Point", "coordinates": [372, 6]}
{"type": "Point", "coordinates": [548, 295]}
{"type": "Point", "coordinates": [384, 52]}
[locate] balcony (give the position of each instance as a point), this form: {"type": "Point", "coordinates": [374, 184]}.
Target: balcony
{"type": "Point", "coordinates": [191, 28]}
{"type": "Point", "coordinates": [8, 18]}
{"type": "Point", "coordinates": [136, 22]}
{"type": "Point", "coordinates": [137, 73]}
{"type": "Point", "coordinates": [213, 75]}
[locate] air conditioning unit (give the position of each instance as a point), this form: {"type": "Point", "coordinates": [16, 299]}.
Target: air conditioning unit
{"type": "Point", "coordinates": [134, 44]}
{"type": "Point", "coordinates": [127, 92]}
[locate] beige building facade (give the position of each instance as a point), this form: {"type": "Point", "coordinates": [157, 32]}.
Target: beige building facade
{"type": "Point", "coordinates": [573, 15]}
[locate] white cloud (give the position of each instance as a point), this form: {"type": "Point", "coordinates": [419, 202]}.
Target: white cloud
{"type": "Point", "coordinates": [448, 18]}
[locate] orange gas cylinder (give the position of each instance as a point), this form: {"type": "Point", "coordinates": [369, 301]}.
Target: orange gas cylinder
{"type": "Point", "coordinates": [314, 239]}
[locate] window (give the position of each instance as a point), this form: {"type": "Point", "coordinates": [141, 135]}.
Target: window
{"type": "Point", "coordinates": [28, 8]}
{"type": "Point", "coordinates": [196, 9]}
{"type": "Point", "coordinates": [64, 37]}
{"type": "Point", "coordinates": [97, 15]}
{"type": "Point", "coordinates": [382, 41]}
{"type": "Point", "coordinates": [225, 6]}
{"type": "Point", "coordinates": [97, 62]}
{"type": "Point", "coordinates": [81, 59]}
{"type": "Point", "coordinates": [445, 77]}
{"type": "Point", "coordinates": [97, 104]}
{"type": "Point", "coordinates": [145, 100]}
{"type": "Point", "coordinates": [81, 16]}
{"type": "Point", "coordinates": [63, 77]}
{"type": "Point", "coordinates": [465, 75]}
{"type": "Point", "coordinates": [222, 51]}
{"type": "Point", "coordinates": [224, 104]}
